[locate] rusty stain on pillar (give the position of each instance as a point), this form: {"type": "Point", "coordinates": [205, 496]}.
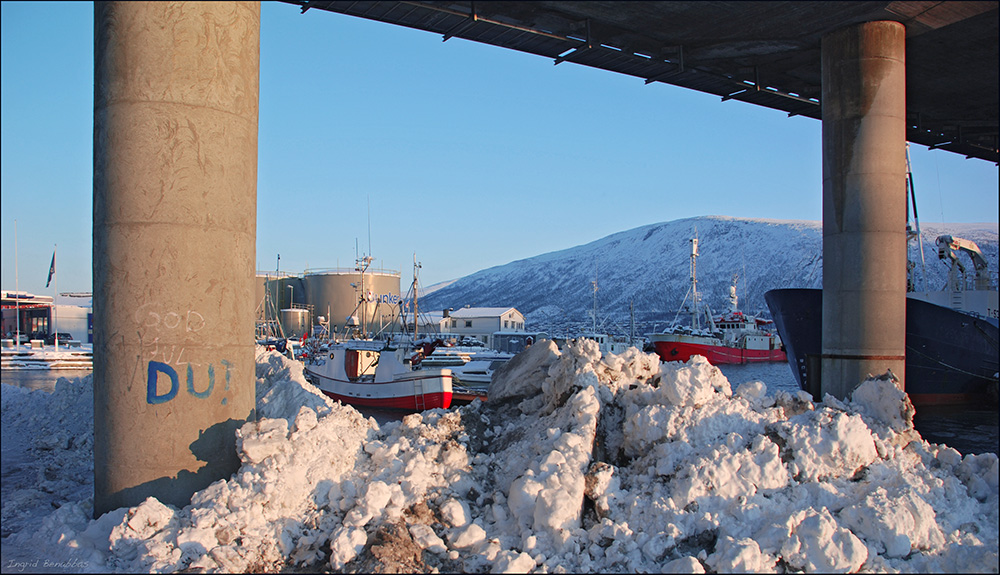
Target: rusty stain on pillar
{"type": "Point", "coordinates": [175, 175]}
{"type": "Point", "coordinates": [864, 205]}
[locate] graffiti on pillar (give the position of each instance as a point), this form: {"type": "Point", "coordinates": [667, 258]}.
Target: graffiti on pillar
{"type": "Point", "coordinates": [166, 359]}
{"type": "Point", "coordinates": [211, 382]}
{"type": "Point", "coordinates": [152, 375]}
{"type": "Point", "coordinates": [192, 321]}
{"type": "Point", "coordinates": [156, 321]}
{"type": "Point", "coordinates": [227, 365]}
{"type": "Point", "coordinates": [156, 369]}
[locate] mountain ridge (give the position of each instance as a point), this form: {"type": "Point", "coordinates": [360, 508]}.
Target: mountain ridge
{"type": "Point", "coordinates": [649, 268]}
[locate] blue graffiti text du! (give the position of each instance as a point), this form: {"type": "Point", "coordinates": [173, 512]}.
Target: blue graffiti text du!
{"type": "Point", "coordinates": [156, 368]}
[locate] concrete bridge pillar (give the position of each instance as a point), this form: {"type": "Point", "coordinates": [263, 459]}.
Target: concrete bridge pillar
{"type": "Point", "coordinates": [175, 174]}
{"type": "Point", "coordinates": [864, 205]}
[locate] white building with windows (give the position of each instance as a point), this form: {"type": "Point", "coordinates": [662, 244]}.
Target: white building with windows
{"type": "Point", "coordinates": [482, 323]}
{"type": "Point", "coordinates": [40, 315]}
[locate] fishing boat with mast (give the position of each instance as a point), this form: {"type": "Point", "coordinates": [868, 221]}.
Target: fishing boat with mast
{"type": "Point", "coordinates": [378, 373]}
{"type": "Point", "coordinates": [731, 338]}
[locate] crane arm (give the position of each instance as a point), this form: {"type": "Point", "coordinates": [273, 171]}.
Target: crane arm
{"type": "Point", "coordinates": [948, 245]}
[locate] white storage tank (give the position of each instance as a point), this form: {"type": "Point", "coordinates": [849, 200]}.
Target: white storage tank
{"type": "Point", "coordinates": [340, 294]}
{"type": "Point", "coordinates": [295, 322]}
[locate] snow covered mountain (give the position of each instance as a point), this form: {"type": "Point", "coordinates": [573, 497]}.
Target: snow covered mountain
{"type": "Point", "coordinates": [649, 268]}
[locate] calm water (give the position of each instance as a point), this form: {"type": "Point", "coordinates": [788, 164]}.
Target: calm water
{"type": "Point", "coordinates": [40, 378]}
{"type": "Point", "coordinates": [966, 429]}
{"type": "Point", "coordinates": [777, 375]}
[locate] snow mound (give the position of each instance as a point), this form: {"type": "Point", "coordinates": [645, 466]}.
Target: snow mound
{"type": "Point", "coordinates": [578, 463]}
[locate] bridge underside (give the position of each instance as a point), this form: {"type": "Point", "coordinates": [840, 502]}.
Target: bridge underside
{"type": "Point", "coordinates": [764, 53]}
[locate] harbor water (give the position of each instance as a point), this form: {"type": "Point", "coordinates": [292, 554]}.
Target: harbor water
{"type": "Point", "coordinates": [969, 429]}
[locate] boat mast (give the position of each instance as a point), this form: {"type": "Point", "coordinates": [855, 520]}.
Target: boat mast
{"type": "Point", "coordinates": [631, 323]}
{"type": "Point", "coordinates": [416, 320]}
{"type": "Point", "coordinates": [363, 264]}
{"type": "Point", "coordinates": [695, 320]}
{"type": "Point", "coordinates": [733, 298]}
{"type": "Point", "coordinates": [594, 283]}
{"type": "Point", "coordinates": [916, 220]}
{"type": "Point", "coordinates": [17, 292]}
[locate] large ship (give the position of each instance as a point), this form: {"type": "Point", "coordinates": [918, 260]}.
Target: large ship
{"type": "Point", "coordinates": [952, 335]}
{"type": "Point", "coordinates": [731, 338]}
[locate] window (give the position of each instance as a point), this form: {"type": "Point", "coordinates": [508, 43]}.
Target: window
{"type": "Point", "coordinates": [506, 324]}
{"type": "Point", "coordinates": [454, 323]}
{"type": "Point", "coordinates": [468, 323]}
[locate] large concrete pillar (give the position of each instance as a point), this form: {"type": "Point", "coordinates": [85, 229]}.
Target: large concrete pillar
{"type": "Point", "coordinates": [864, 205]}
{"type": "Point", "coordinates": [175, 174]}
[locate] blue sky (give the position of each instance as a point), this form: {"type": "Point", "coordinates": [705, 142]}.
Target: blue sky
{"type": "Point", "coordinates": [467, 155]}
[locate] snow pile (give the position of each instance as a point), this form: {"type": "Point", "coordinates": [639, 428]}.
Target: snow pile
{"type": "Point", "coordinates": [577, 463]}
{"type": "Point", "coordinates": [53, 434]}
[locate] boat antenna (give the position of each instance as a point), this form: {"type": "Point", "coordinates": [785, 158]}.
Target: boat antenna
{"type": "Point", "coordinates": [916, 219]}
{"type": "Point", "coordinates": [743, 256]}
{"type": "Point", "coordinates": [369, 224]}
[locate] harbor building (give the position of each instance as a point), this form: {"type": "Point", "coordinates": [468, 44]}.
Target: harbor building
{"type": "Point", "coordinates": [41, 315]}
{"type": "Point", "coordinates": [485, 324]}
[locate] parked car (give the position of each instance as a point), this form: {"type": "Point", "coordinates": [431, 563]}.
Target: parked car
{"type": "Point", "coordinates": [63, 338]}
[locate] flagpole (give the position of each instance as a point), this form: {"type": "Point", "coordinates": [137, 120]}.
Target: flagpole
{"type": "Point", "coordinates": [17, 294]}
{"type": "Point", "coordinates": [55, 294]}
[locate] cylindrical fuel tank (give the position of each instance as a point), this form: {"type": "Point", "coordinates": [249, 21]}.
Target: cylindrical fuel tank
{"type": "Point", "coordinates": [285, 291]}
{"type": "Point", "coordinates": [340, 294]}
{"type": "Point", "coordinates": [295, 322]}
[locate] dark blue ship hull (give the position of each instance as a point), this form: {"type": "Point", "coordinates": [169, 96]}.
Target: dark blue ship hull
{"type": "Point", "coordinates": [951, 357]}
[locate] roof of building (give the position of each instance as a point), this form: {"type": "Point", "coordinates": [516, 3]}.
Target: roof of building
{"type": "Point", "coordinates": [470, 312]}
{"type": "Point", "coordinates": [24, 297]}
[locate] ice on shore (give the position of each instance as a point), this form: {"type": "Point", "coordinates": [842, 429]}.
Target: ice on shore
{"type": "Point", "coordinates": [577, 463]}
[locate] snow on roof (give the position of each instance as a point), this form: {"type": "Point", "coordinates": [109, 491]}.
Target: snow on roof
{"type": "Point", "coordinates": [467, 312]}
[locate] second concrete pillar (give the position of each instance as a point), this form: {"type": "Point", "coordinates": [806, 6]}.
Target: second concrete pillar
{"type": "Point", "coordinates": [864, 205]}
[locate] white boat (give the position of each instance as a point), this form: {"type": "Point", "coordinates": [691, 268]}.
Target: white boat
{"type": "Point", "coordinates": [457, 356]}
{"type": "Point", "coordinates": [478, 372]}
{"type": "Point", "coordinates": [366, 373]}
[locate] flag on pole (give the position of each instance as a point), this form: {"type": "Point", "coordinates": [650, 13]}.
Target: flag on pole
{"type": "Point", "coordinates": [52, 270]}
